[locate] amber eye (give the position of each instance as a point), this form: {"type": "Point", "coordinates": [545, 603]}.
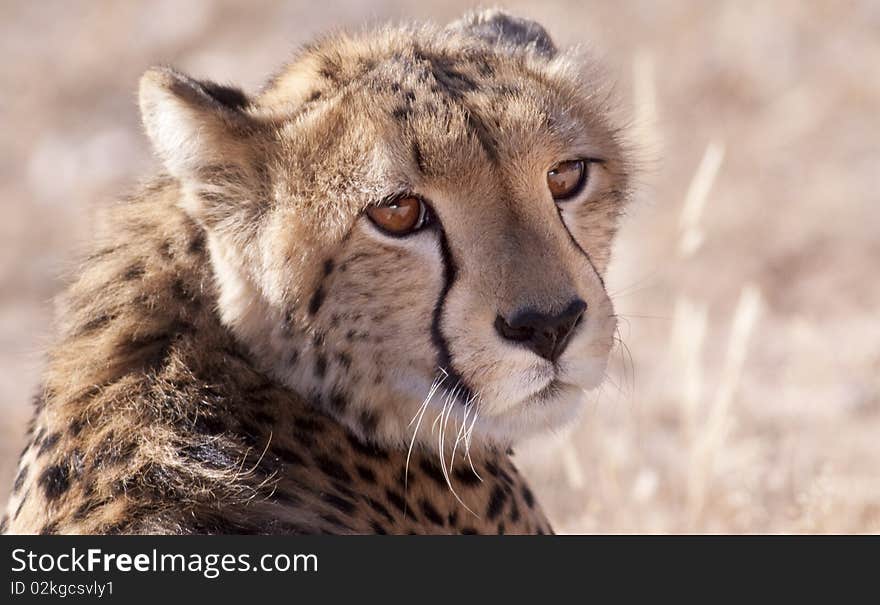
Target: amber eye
{"type": "Point", "coordinates": [565, 179]}
{"type": "Point", "coordinates": [400, 216]}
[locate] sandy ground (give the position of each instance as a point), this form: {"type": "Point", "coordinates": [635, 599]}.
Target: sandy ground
{"type": "Point", "coordinates": [748, 399]}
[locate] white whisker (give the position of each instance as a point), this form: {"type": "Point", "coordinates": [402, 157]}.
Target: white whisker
{"type": "Point", "coordinates": [420, 414]}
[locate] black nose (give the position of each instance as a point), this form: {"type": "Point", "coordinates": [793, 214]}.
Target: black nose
{"type": "Point", "coordinates": [546, 335]}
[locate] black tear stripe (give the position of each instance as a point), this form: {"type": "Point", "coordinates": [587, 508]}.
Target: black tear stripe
{"type": "Point", "coordinates": [579, 247]}
{"type": "Point", "coordinates": [444, 357]}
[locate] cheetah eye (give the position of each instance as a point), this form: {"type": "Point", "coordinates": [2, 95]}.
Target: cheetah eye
{"type": "Point", "coordinates": [400, 216]}
{"type": "Point", "coordinates": [566, 178]}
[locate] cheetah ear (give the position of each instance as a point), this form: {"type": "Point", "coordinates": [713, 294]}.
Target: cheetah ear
{"type": "Point", "coordinates": [193, 124]}
{"type": "Point", "coordinates": [499, 28]}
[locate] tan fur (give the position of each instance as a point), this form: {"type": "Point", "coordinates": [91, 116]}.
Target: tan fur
{"type": "Point", "coordinates": [245, 352]}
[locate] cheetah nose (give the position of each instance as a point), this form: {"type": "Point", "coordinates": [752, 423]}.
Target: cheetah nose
{"type": "Point", "coordinates": [544, 334]}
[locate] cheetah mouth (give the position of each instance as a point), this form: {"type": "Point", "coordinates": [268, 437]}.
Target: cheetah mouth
{"type": "Point", "coordinates": [549, 391]}
{"type": "Point", "coordinates": [561, 384]}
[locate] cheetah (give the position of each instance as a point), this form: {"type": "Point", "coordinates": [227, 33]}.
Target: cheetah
{"type": "Point", "coordinates": [343, 299]}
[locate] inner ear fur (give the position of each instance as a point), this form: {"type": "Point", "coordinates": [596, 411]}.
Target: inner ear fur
{"type": "Point", "coordinates": [192, 123]}
{"type": "Point", "coordinates": [205, 137]}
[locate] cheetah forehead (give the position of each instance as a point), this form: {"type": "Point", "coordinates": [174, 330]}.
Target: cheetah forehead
{"type": "Point", "coordinates": [393, 54]}
{"type": "Point", "coordinates": [444, 81]}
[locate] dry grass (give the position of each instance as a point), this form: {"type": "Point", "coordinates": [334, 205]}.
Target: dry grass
{"type": "Point", "coordinates": [747, 275]}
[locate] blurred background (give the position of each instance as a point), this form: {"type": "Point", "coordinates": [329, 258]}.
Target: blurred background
{"type": "Point", "coordinates": [746, 395]}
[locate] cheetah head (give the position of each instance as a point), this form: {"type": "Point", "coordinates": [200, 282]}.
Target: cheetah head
{"type": "Point", "coordinates": [409, 227]}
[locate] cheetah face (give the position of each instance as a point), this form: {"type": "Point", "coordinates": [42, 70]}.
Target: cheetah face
{"type": "Point", "coordinates": [412, 235]}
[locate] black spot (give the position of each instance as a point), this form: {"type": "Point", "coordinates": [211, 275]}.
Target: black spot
{"type": "Point", "coordinates": [38, 438]}
{"type": "Point", "coordinates": [96, 323]}
{"type": "Point", "coordinates": [20, 506]}
{"type": "Point", "coordinates": [453, 518]}
{"type": "Point", "coordinates": [134, 271]}
{"type": "Point", "coordinates": [344, 360]}
{"type": "Point", "coordinates": [496, 503]}
{"type": "Point", "coordinates": [332, 468]}
{"type": "Point", "coordinates": [335, 521]}
{"type": "Point", "coordinates": [501, 528]}
{"type": "Point", "coordinates": [345, 490]}
{"type": "Point", "coordinates": [19, 479]}
{"type": "Point", "coordinates": [366, 449]}
{"type": "Point", "coordinates": [101, 253]}
{"type": "Point", "coordinates": [514, 512]}
{"type": "Point", "coordinates": [320, 365]}
{"type": "Point", "coordinates": [528, 496]}
{"type": "Point", "coordinates": [506, 478]}
{"type": "Point", "coordinates": [401, 113]}
{"type": "Point", "coordinates": [344, 505]}
{"type": "Point", "coordinates": [87, 508]}
{"type": "Point", "coordinates": [115, 529]}
{"type": "Point", "coordinates": [182, 292]}
{"type": "Point", "coordinates": [39, 402]}
{"type": "Point", "coordinates": [466, 476]}
{"type": "Point", "coordinates": [76, 426]}
{"type": "Point", "coordinates": [292, 357]}
{"type": "Point", "coordinates": [418, 158]}
{"type": "Point", "coordinates": [328, 71]}
{"type": "Point", "coordinates": [431, 513]}
{"type": "Point", "coordinates": [55, 481]}
{"type": "Point", "coordinates": [377, 528]}
{"type": "Point", "coordinates": [196, 244]}
{"type": "Point", "coordinates": [369, 421]}
{"type": "Point", "coordinates": [314, 96]}
{"type": "Point", "coordinates": [379, 508]}
{"type": "Point", "coordinates": [288, 456]}
{"type": "Point", "coordinates": [328, 267]}
{"type": "Point", "coordinates": [483, 136]}
{"type": "Point", "coordinates": [167, 249]}
{"type": "Point", "coordinates": [433, 471]}
{"type": "Point", "coordinates": [365, 473]}
{"type": "Point", "coordinates": [338, 401]}
{"type": "Point", "coordinates": [316, 300]}
{"type": "Point", "coordinates": [469, 531]}
{"type": "Point", "coordinates": [396, 500]}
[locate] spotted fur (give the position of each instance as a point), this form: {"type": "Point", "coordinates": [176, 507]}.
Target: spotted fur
{"type": "Point", "coordinates": [243, 352]}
